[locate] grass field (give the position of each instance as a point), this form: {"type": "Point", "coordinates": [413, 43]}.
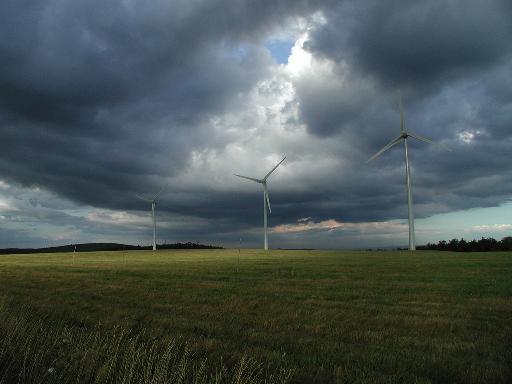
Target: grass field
{"type": "Point", "coordinates": [281, 316]}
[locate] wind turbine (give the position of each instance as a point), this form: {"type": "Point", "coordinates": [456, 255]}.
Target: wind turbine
{"type": "Point", "coordinates": [152, 201]}
{"type": "Point", "coordinates": [404, 135]}
{"type": "Point", "coordinates": [266, 199]}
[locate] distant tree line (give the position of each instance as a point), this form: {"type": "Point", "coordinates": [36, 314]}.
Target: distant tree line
{"type": "Point", "coordinates": [483, 245]}
{"type": "Point", "coordinates": [95, 247]}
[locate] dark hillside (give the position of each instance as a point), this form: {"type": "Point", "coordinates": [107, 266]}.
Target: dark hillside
{"type": "Point", "coordinates": [95, 247]}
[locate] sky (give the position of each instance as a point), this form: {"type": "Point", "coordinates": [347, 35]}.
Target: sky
{"type": "Point", "coordinates": [100, 101]}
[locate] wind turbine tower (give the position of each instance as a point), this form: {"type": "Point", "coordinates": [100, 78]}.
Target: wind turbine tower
{"type": "Point", "coordinates": [266, 199]}
{"type": "Point", "coordinates": [152, 201]}
{"type": "Point", "coordinates": [404, 135]}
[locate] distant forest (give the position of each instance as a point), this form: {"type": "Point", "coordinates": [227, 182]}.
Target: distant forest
{"type": "Point", "coordinates": [483, 245]}
{"type": "Point", "coordinates": [94, 247]}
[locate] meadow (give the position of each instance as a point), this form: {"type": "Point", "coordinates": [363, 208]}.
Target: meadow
{"type": "Point", "coordinates": [224, 316]}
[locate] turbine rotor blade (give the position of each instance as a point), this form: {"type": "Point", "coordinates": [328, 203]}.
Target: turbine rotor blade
{"type": "Point", "coordinates": [144, 198]}
{"type": "Point", "coordinates": [427, 140]}
{"type": "Point", "coordinates": [421, 138]}
{"type": "Point", "coordinates": [402, 114]}
{"type": "Point", "coordinates": [160, 191]}
{"type": "Point", "coordinates": [386, 147]}
{"type": "Point", "coordinates": [249, 178]}
{"type": "Point", "coordinates": [273, 169]}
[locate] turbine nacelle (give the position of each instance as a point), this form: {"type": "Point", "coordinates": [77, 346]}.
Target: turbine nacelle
{"type": "Point", "coordinates": [403, 136]}
{"type": "Point", "coordinates": [266, 197]}
{"type": "Point", "coordinates": [264, 183]}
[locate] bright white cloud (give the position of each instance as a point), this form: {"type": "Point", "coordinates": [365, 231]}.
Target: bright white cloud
{"type": "Point", "coordinates": [4, 185]}
{"type": "Point", "coordinates": [65, 235]}
{"type": "Point", "coordinates": [300, 60]}
{"type": "Point", "coordinates": [117, 217]}
{"type": "Point", "coordinates": [468, 136]}
{"type": "Point", "coordinates": [5, 206]}
{"type": "Point", "coordinates": [265, 127]}
{"type": "Point", "coordinates": [492, 228]}
{"type": "Point", "coordinates": [306, 224]}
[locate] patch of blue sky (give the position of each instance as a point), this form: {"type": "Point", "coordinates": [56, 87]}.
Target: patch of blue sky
{"type": "Point", "coordinates": [279, 49]}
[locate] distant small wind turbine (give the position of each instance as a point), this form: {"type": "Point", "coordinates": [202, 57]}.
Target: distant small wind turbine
{"type": "Point", "coordinates": [266, 199]}
{"type": "Point", "coordinates": [152, 201]}
{"type": "Point", "coordinates": [404, 134]}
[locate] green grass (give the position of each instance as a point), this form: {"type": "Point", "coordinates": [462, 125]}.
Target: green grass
{"type": "Point", "coordinates": [305, 316]}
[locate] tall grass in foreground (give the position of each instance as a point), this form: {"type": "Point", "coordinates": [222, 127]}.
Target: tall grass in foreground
{"type": "Point", "coordinates": [32, 352]}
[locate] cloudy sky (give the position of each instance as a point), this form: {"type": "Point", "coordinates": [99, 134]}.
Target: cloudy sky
{"type": "Point", "coordinates": [100, 101]}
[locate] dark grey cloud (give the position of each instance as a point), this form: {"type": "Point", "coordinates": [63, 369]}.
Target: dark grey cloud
{"type": "Point", "coordinates": [91, 92]}
{"type": "Point", "coordinates": [412, 44]}
{"type": "Point", "coordinates": [99, 101]}
{"type": "Point", "coordinates": [451, 60]}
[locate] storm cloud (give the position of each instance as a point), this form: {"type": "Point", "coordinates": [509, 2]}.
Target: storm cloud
{"type": "Point", "coordinates": [101, 101]}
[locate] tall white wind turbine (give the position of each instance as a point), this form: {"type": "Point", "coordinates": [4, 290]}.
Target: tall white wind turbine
{"type": "Point", "coordinates": [266, 199]}
{"type": "Point", "coordinates": [152, 201]}
{"type": "Point", "coordinates": [404, 135]}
